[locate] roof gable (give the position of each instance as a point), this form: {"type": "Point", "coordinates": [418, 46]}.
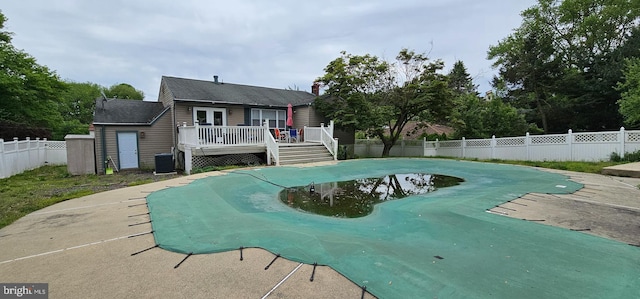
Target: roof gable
{"type": "Point", "coordinates": [120, 111]}
{"type": "Point", "coordinates": [199, 90]}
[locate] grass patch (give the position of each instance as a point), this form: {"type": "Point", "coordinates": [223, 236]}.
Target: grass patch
{"type": "Point", "coordinates": [33, 190]}
{"type": "Point", "coordinates": [588, 167]}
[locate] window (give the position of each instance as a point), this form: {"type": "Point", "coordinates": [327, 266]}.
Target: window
{"type": "Point", "coordinates": [277, 118]}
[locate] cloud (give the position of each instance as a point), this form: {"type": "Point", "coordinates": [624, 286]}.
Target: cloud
{"type": "Point", "coordinates": [276, 43]}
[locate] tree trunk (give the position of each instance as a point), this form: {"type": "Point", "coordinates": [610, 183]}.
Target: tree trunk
{"type": "Point", "coordinates": [387, 148]}
{"type": "Point", "coordinates": [543, 115]}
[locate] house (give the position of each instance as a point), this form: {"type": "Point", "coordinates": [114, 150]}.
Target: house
{"type": "Point", "coordinates": [199, 121]}
{"type": "Point", "coordinates": [129, 133]}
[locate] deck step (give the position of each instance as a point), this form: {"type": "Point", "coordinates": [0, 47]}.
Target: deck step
{"type": "Point", "coordinates": [303, 153]}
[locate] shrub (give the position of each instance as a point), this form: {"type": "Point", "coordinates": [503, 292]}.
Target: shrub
{"type": "Point", "coordinates": [628, 157]}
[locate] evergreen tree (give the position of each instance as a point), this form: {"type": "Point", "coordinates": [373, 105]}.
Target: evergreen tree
{"type": "Point", "coordinates": [459, 79]}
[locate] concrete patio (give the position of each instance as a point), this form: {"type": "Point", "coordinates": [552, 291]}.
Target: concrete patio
{"type": "Point", "coordinates": [84, 247]}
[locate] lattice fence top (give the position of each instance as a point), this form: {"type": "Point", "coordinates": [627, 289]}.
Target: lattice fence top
{"type": "Point", "coordinates": [549, 139]}
{"type": "Point", "coordinates": [410, 142]}
{"type": "Point", "coordinates": [430, 144]}
{"type": "Point", "coordinates": [478, 142]}
{"type": "Point", "coordinates": [456, 143]}
{"type": "Point", "coordinates": [56, 144]}
{"type": "Point", "coordinates": [368, 141]}
{"type": "Point", "coordinates": [510, 141]}
{"type": "Point", "coordinates": [633, 137]}
{"type": "Point", "coordinates": [595, 137]}
{"type": "Point", "coordinates": [10, 146]}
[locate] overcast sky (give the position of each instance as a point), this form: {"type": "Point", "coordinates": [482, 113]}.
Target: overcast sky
{"type": "Point", "coordinates": [277, 43]}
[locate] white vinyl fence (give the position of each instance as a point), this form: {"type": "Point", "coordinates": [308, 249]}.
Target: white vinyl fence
{"type": "Point", "coordinates": [403, 148]}
{"type": "Point", "coordinates": [17, 156]}
{"type": "Point", "coordinates": [596, 146]}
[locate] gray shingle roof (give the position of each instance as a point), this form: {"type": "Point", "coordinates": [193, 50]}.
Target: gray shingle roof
{"type": "Point", "coordinates": [200, 90]}
{"type": "Point", "coordinates": [116, 111]}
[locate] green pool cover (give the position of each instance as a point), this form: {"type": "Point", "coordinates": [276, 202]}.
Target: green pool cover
{"type": "Point", "coordinates": [437, 245]}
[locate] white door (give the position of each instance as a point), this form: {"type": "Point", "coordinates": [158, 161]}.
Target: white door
{"type": "Point", "coordinates": [128, 149]}
{"type": "Point", "coordinates": [210, 116]}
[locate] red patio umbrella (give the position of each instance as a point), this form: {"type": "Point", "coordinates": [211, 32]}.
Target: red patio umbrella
{"type": "Point", "coordinates": [289, 116]}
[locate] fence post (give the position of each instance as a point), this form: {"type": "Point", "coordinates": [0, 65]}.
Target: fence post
{"type": "Point", "coordinates": [29, 163]}
{"type": "Point", "coordinates": [493, 146]}
{"type": "Point", "coordinates": [196, 125]}
{"type": "Point", "coordinates": [437, 146]}
{"type": "Point", "coordinates": [331, 125]}
{"type": "Point", "coordinates": [2, 167]}
{"type": "Point", "coordinates": [424, 146]}
{"type": "Point", "coordinates": [464, 145]}
{"type": "Point", "coordinates": [570, 144]}
{"type": "Point", "coordinates": [188, 159]}
{"type": "Point", "coordinates": [40, 152]}
{"type": "Point", "coordinates": [46, 150]}
{"type": "Point", "coordinates": [527, 142]}
{"type": "Point", "coordinates": [622, 136]}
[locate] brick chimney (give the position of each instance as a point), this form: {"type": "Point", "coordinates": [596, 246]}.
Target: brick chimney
{"type": "Point", "coordinates": [315, 88]}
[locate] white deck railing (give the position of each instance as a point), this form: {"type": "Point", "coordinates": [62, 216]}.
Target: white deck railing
{"type": "Point", "coordinates": [273, 150]}
{"type": "Point", "coordinates": [211, 136]}
{"type": "Point", "coordinates": [323, 135]}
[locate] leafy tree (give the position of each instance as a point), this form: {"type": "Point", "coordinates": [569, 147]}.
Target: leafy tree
{"type": "Point", "coordinates": [468, 117]}
{"type": "Point", "coordinates": [380, 97]}
{"type": "Point", "coordinates": [5, 36]}
{"type": "Point", "coordinates": [124, 91]}
{"type": "Point", "coordinates": [76, 108]}
{"type": "Point", "coordinates": [530, 70]}
{"type": "Point", "coordinates": [630, 101]}
{"type": "Point", "coordinates": [79, 101]}
{"type": "Point", "coordinates": [558, 61]}
{"type": "Point", "coordinates": [476, 118]}
{"type": "Point", "coordinates": [29, 92]}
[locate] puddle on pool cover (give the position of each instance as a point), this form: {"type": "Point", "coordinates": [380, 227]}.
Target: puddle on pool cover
{"type": "Point", "coordinates": [356, 198]}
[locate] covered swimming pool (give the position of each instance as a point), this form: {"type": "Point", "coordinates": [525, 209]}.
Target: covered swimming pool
{"type": "Point", "coordinates": [439, 244]}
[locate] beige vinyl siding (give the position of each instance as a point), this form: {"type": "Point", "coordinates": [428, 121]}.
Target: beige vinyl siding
{"type": "Point", "coordinates": [183, 114]}
{"type": "Point", "coordinates": [157, 139]}
{"type": "Point", "coordinates": [165, 95]}
{"type": "Point", "coordinates": [301, 116]}
{"type": "Point", "coordinates": [166, 98]}
{"type": "Point", "coordinates": [307, 116]}
{"type": "Point", "coordinates": [235, 116]}
{"type": "Point", "coordinates": [98, 151]}
{"type": "Point", "coordinates": [315, 119]}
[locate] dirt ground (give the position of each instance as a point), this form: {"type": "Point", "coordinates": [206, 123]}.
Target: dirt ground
{"type": "Point", "coordinates": [607, 206]}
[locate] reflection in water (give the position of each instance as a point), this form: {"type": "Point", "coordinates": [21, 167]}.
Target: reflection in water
{"type": "Point", "coordinates": [355, 198]}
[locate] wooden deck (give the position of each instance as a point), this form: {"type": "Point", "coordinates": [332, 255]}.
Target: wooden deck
{"type": "Point", "coordinates": [201, 143]}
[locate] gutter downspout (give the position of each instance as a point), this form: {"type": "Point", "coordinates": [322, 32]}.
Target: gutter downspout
{"type": "Point", "coordinates": [174, 132]}
{"type": "Point", "coordinates": [104, 150]}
